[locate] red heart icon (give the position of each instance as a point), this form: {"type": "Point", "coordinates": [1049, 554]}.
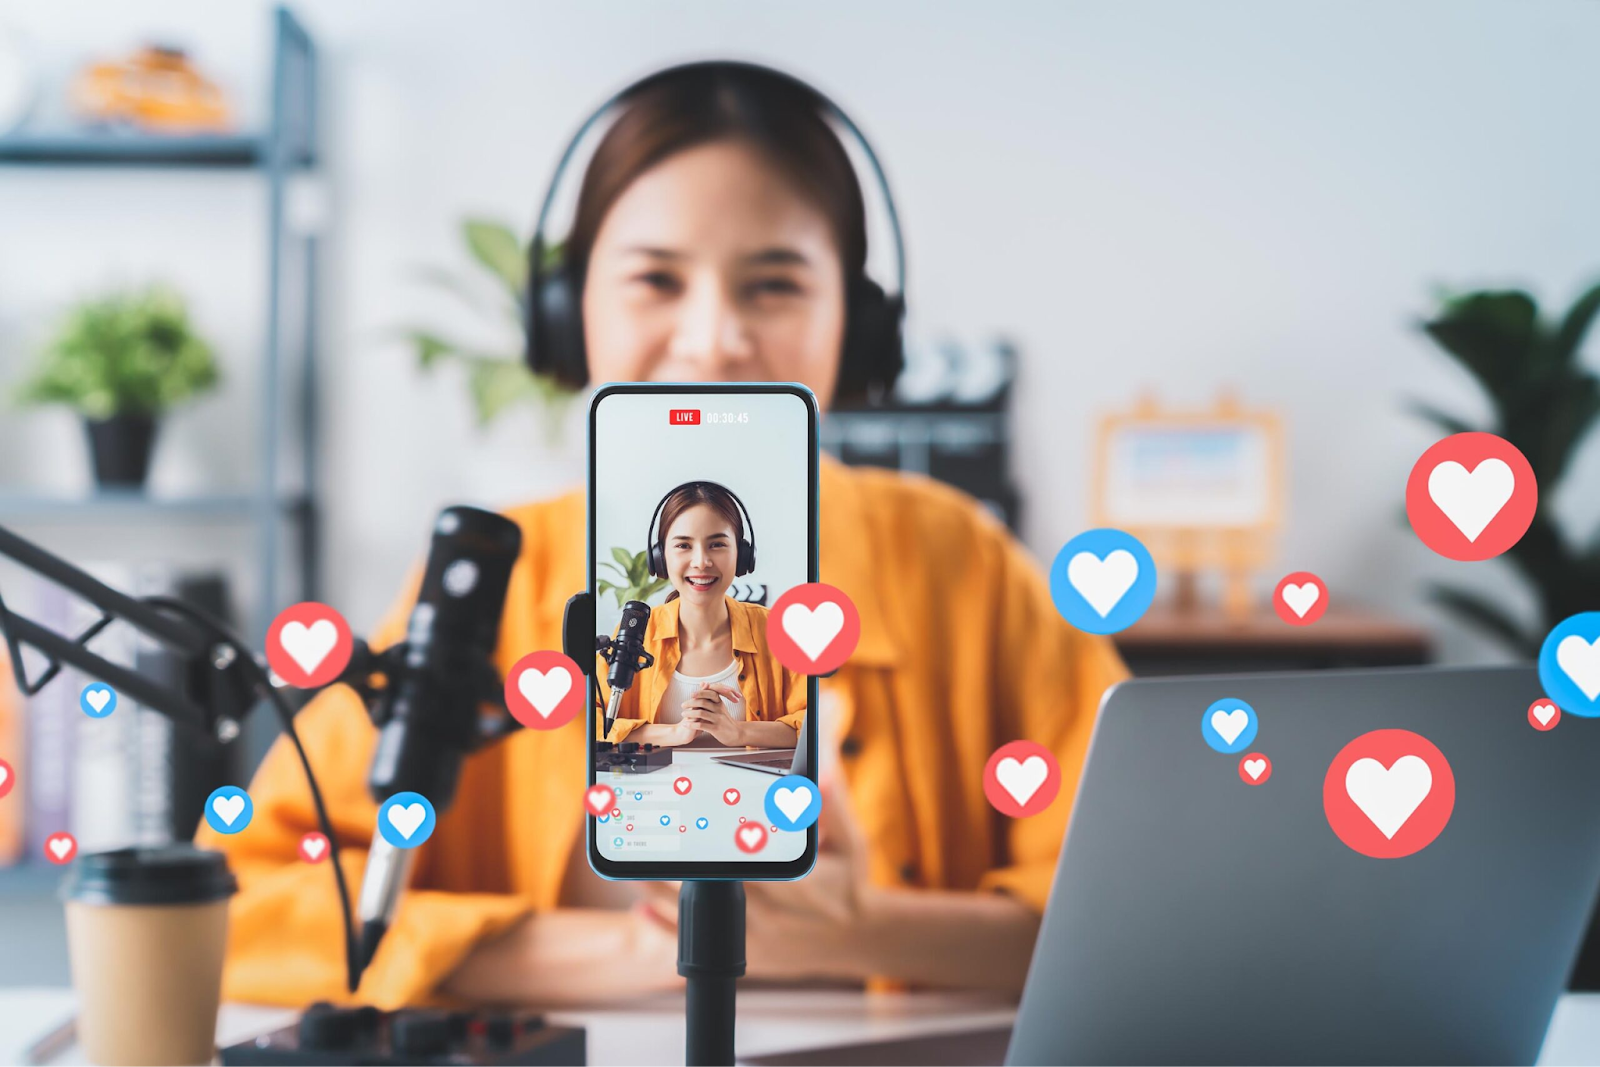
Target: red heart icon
{"type": "Point", "coordinates": [730, 797]}
{"type": "Point", "coordinates": [313, 847]}
{"type": "Point", "coordinates": [60, 848]}
{"type": "Point", "coordinates": [751, 837]}
{"type": "Point", "coordinates": [629, 828]}
{"type": "Point", "coordinates": [683, 785]}
{"type": "Point", "coordinates": [682, 828]}
{"type": "Point", "coordinates": [597, 798]}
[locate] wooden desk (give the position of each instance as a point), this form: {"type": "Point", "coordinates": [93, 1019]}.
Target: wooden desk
{"type": "Point", "coordinates": [1167, 641]}
{"type": "Point", "coordinates": [770, 1020]}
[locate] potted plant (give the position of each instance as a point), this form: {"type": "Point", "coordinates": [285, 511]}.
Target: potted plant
{"type": "Point", "coordinates": [497, 376]}
{"type": "Point", "coordinates": [122, 361]}
{"type": "Point", "coordinates": [1544, 400]}
{"type": "Point", "coordinates": [636, 581]}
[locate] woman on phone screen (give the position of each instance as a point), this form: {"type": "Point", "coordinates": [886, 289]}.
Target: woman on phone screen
{"type": "Point", "coordinates": [715, 681]}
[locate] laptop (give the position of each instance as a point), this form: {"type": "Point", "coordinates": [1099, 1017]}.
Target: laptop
{"type": "Point", "coordinates": [1197, 919]}
{"type": "Point", "coordinates": [778, 761]}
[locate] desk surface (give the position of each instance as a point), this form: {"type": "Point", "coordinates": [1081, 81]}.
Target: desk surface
{"type": "Point", "coordinates": [770, 1020]}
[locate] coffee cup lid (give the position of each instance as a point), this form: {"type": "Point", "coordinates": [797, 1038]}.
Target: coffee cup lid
{"type": "Point", "coordinates": [169, 874]}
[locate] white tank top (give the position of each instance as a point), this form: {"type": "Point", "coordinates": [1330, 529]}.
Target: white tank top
{"type": "Point", "coordinates": [682, 687]}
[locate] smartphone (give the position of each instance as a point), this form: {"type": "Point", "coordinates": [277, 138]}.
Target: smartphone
{"type": "Point", "coordinates": [702, 512]}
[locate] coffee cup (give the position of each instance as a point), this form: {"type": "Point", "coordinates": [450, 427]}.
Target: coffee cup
{"type": "Point", "coordinates": [146, 933]}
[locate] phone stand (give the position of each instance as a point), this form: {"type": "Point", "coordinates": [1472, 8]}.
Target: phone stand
{"type": "Point", "coordinates": [711, 961]}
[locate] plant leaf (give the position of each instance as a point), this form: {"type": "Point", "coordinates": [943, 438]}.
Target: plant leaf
{"type": "Point", "coordinates": [1564, 346]}
{"type": "Point", "coordinates": [431, 348]}
{"type": "Point", "coordinates": [624, 558]}
{"type": "Point", "coordinates": [496, 384]}
{"type": "Point", "coordinates": [1492, 334]}
{"type": "Point", "coordinates": [607, 563]}
{"type": "Point", "coordinates": [652, 589]}
{"type": "Point", "coordinates": [1487, 617]}
{"type": "Point", "coordinates": [497, 248]}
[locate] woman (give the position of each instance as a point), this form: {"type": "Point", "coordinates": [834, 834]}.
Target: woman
{"type": "Point", "coordinates": [718, 233]}
{"type": "Point", "coordinates": [726, 687]}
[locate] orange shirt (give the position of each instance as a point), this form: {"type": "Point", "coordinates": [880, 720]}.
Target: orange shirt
{"type": "Point", "coordinates": [961, 650]}
{"type": "Point", "coordinates": [771, 693]}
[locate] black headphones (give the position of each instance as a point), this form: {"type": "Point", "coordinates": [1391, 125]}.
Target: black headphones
{"type": "Point", "coordinates": [874, 349]}
{"type": "Point", "coordinates": [657, 556]}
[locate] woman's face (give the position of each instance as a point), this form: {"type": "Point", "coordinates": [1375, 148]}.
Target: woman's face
{"type": "Point", "coordinates": [710, 267]}
{"type": "Point", "coordinates": [702, 554]}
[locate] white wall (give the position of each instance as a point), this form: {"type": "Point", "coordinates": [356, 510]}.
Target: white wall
{"type": "Point", "coordinates": [1180, 195]}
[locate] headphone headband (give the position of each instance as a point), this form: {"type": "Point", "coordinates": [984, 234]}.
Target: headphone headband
{"type": "Point", "coordinates": [824, 104]}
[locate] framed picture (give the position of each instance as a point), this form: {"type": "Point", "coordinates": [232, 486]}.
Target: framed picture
{"type": "Point", "coordinates": [1202, 489]}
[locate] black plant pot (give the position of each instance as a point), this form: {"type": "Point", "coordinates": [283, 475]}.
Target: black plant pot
{"type": "Point", "coordinates": [121, 448]}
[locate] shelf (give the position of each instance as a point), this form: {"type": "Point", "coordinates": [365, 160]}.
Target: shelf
{"type": "Point", "coordinates": [130, 504]}
{"type": "Point", "coordinates": [29, 879]}
{"type": "Point", "coordinates": [91, 149]}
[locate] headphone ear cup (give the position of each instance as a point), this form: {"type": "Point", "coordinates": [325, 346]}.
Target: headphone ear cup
{"type": "Point", "coordinates": [657, 564]}
{"type": "Point", "coordinates": [555, 330]}
{"type": "Point", "coordinates": [746, 560]}
{"type": "Point", "coordinates": [874, 349]}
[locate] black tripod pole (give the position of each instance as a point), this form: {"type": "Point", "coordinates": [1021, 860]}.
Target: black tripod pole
{"type": "Point", "coordinates": [711, 960]}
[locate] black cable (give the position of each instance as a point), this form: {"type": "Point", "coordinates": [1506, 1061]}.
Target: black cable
{"type": "Point", "coordinates": [220, 633]}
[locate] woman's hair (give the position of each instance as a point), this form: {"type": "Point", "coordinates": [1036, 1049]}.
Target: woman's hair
{"type": "Point", "coordinates": [778, 119]}
{"type": "Point", "coordinates": [694, 494]}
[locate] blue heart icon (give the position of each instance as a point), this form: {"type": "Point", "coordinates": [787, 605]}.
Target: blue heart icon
{"type": "Point", "coordinates": [666, 820]}
{"type": "Point", "coordinates": [605, 818]}
{"type": "Point", "coordinates": [701, 823]}
{"type": "Point", "coordinates": [638, 796]}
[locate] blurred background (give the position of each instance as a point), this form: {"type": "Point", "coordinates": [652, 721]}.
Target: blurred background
{"type": "Point", "coordinates": [1299, 228]}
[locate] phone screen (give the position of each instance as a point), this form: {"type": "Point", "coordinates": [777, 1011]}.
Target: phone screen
{"type": "Point", "coordinates": [702, 512]}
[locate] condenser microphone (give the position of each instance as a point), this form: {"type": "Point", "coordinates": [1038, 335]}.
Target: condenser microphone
{"type": "Point", "coordinates": [438, 679]}
{"type": "Point", "coordinates": [626, 655]}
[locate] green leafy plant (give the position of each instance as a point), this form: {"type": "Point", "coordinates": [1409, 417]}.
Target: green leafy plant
{"type": "Point", "coordinates": [636, 584]}
{"type": "Point", "coordinates": [130, 353]}
{"type": "Point", "coordinates": [1544, 401]}
{"type": "Point", "coordinates": [497, 380]}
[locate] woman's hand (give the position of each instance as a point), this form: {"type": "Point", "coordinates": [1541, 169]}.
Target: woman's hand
{"type": "Point", "coordinates": [704, 712]}
{"type": "Point", "coordinates": [664, 734]}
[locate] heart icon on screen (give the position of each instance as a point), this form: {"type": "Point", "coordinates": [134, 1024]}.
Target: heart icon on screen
{"type": "Point", "coordinates": [730, 796]}
{"type": "Point", "coordinates": [1301, 597]}
{"type": "Point", "coordinates": [598, 798]}
{"type": "Point", "coordinates": [1230, 724]}
{"type": "Point", "coordinates": [793, 802]}
{"type": "Point", "coordinates": [751, 837]}
{"type": "Point", "coordinates": [1022, 779]}
{"type": "Point", "coordinates": [1103, 582]}
{"type": "Point", "coordinates": [60, 847]}
{"type": "Point", "coordinates": [1580, 660]}
{"type": "Point", "coordinates": [1472, 499]}
{"type": "Point", "coordinates": [1388, 795]}
{"type": "Point", "coordinates": [228, 808]}
{"type": "Point", "coordinates": [813, 630]}
{"type": "Point", "coordinates": [544, 690]}
{"type": "Point", "coordinates": [308, 646]}
{"type": "Point", "coordinates": [407, 818]}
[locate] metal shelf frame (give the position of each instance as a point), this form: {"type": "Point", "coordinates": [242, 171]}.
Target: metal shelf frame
{"type": "Point", "coordinates": [281, 506]}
